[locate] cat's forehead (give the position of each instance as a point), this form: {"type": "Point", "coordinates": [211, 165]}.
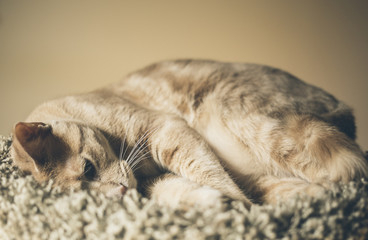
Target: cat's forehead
{"type": "Point", "coordinates": [65, 126]}
{"type": "Point", "coordinates": [75, 134]}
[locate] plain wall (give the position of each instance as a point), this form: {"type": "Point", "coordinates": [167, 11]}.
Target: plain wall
{"type": "Point", "coordinates": [54, 48]}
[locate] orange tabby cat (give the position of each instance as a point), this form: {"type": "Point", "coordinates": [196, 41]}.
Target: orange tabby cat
{"type": "Point", "coordinates": [190, 132]}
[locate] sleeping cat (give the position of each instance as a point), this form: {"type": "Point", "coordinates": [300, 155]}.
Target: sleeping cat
{"type": "Point", "coordinates": [194, 132]}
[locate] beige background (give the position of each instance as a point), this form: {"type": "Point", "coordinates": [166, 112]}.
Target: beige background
{"type": "Point", "coordinates": [53, 48]}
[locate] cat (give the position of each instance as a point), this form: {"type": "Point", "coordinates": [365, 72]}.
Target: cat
{"type": "Point", "coordinates": [194, 132]}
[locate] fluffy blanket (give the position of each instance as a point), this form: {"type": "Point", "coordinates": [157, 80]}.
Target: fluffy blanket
{"type": "Point", "coordinates": [29, 210]}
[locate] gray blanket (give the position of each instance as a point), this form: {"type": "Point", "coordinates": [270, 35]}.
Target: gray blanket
{"type": "Point", "coordinates": [29, 210]}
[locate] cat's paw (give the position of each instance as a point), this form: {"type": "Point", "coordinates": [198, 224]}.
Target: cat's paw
{"type": "Point", "coordinates": [206, 197]}
{"type": "Point", "coordinates": [316, 190]}
{"type": "Point", "coordinates": [180, 193]}
{"type": "Point", "coordinates": [187, 197]}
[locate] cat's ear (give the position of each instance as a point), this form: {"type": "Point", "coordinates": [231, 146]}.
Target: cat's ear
{"type": "Point", "coordinates": [36, 149]}
{"type": "Point", "coordinates": [26, 132]}
{"type": "Point", "coordinates": [33, 138]}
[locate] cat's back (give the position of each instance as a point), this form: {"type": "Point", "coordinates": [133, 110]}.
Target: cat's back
{"type": "Point", "coordinates": [183, 86]}
{"type": "Point", "coordinates": [199, 78]}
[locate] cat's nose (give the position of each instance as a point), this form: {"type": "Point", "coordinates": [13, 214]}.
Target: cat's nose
{"type": "Point", "coordinates": [123, 189]}
{"type": "Point", "coordinates": [117, 191]}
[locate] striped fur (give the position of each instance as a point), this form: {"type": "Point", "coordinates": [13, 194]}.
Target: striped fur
{"type": "Point", "coordinates": [205, 128]}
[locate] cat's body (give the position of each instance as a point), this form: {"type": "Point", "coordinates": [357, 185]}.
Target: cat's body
{"type": "Point", "coordinates": [217, 128]}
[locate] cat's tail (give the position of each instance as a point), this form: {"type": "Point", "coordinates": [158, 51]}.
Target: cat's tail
{"type": "Point", "coordinates": [322, 152]}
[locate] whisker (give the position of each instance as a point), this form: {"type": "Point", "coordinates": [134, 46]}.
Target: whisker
{"type": "Point", "coordinates": [127, 147]}
{"type": "Point", "coordinates": [140, 149]}
{"type": "Point", "coordinates": [122, 150]}
{"type": "Point", "coordinates": [138, 160]}
{"type": "Point", "coordinates": [135, 169]}
{"type": "Point", "coordinates": [135, 161]}
{"type": "Point", "coordinates": [132, 161]}
{"type": "Point", "coordinates": [138, 146]}
{"type": "Point", "coordinates": [135, 147]}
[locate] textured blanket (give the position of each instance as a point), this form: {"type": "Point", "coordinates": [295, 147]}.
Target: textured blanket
{"type": "Point", "coordinates": [29, 210]}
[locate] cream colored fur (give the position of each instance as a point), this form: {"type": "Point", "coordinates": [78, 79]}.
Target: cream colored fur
{"type": "Point", "coordinates": [191, 132]}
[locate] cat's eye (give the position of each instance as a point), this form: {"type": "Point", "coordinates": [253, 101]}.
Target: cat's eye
{"type": "Point", "coordinates": [90, 172]}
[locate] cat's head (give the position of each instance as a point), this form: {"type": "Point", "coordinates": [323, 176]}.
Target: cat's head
{"type": "Point", "coordinates": [73, 154]}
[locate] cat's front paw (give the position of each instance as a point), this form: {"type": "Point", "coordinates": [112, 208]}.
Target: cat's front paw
{"type": "Point", "coordinates": [205, 197]}
{"type": "Point", "coordinates": [179, 193]}
{"type": "Point", "coordinates": [185, 199]}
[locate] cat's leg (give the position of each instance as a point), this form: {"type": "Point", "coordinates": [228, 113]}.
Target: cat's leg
{"type": "Point", "coordinates": [317, 152]}
{"type": "Point", "coordinates": [274, 189]}
{"type": "Point", "coordinates": [300, 146]}
{"type": "Point", "coordinates": [178, 192]}
{"type": "Point", "coordinates": [180, 149]}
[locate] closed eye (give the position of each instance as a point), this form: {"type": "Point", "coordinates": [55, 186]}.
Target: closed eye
{"type": "Point", "coordinates": [90, 172]}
